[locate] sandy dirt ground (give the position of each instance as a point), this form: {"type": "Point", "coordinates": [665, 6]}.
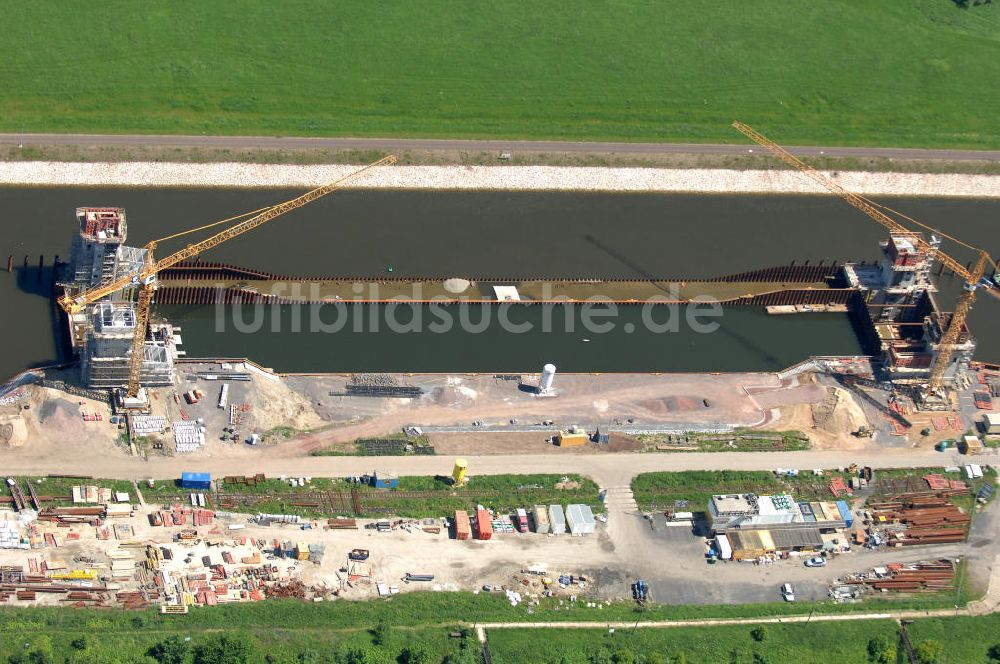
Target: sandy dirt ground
{"type": "Point", "coordinates": [56, 437]}
{"type": "Point", "coordinates": [46, 422]}
{"type": "Point", "coordinates": [521, 443]}
{"type": "Point", "coordinates": [585, 400]}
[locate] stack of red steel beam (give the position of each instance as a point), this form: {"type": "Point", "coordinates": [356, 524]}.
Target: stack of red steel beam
{"type": "Point", "coordinates": [178, 515]}
{"type": "Point", "coordinates": [913, 577]}
{"type": "Point", "coordinates": [91, 515]}
{"type": "Point", "coordinates": [930, 517]}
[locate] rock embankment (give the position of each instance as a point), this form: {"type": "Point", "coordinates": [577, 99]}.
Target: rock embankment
{"type": "Point", "coordinates": [506, 178]}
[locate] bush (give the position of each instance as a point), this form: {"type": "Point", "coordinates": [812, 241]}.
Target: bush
{"type": "Point", "coordinates": [354, 656]}
{"type": "Point", "coordinates": [624, 656]}
{"type": "Point", "coordinates": [994, 652]}
{"type": "Point", "coordinates": [225, 649]}
{"type": "Point", "coordinates": [759, 633]}
{"type": "Point", "coordinates": [414, 655]}
{"type": "Point", "coordinates": [881, 651]}
{"type": "Point", "coordinates": [380, 634]}
{"type": "Point", "coordinates": [929, 652]}
{"type": "Point", "coordinates": [172, 650]}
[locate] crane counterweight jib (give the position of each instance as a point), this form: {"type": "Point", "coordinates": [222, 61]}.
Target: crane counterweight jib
{"type": "Point", "coordinates": [146, 277]}
{"type": "Point", "coordinates": [78, 302]}
{"type": "Point", "coordinates": [973, 280]}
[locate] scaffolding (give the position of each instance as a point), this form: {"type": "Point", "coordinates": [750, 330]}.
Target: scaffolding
{"type": "Point", "coordinates": [95, 249]}
{"type": "Point", "coordinates": [107, 347]}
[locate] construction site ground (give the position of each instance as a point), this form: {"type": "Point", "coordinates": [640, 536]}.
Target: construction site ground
{"type": "Point", "coordinates": [670, 556]}
{"type": "Point", "coordinates": [471, 415]}
{"type": "Point", "coordinates": [299, 415]}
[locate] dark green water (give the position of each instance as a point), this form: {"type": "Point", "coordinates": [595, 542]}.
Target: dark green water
{"type": "Point", "coordinates": [742, 340]}
{"type": "Point", "coordinates": [487, 234]}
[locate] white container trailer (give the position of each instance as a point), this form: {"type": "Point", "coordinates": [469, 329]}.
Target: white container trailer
{"type": "Point", "coordinates": [723, 547]}
{"type": "Point", "coordinates": [541, 514]}
{"type": "Point", "coordinates": [580, 519]}
{"type": "Point", "coordinates": [557, 519]}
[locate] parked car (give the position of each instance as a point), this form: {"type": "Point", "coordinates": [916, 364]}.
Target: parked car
{"type": "Point", "coordinates": [358, 554]}
{"type": "Point", "coordinates": [788, 592]}
{"type": "Point", "coordinates": [817, 561]}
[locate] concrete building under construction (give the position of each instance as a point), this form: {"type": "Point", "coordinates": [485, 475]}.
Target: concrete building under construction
{"type": "Point", "coordinates": [906, 323]}
{"type": "Point", "coordinates": [101, 335]}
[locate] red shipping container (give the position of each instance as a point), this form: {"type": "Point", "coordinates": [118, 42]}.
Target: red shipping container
{"type": "Point", "coordinates": [463, 530]}
{"type": "Point", "coordinates": [484, 525]}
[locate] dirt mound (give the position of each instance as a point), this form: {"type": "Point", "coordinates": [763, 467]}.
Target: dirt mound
{"type": "Point", "coordinates": [674, 404]}
{"type": "Point", "coordinates": [835, 417]}
{"type": "Point", "coordinates": [275, 405]}
{"type": "Point", "coordinates": [452, 395]}
{"type": "Point", "coordinates": [6, 433]}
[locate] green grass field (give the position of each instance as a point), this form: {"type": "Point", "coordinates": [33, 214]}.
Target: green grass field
{"type": "Point", "coordinates": [781, 644]}
{"type": "Point", "coordinates": [293, 631]}
{"type": "Point", "coordinates": [895, 72]}
{"type": "Point", "coordinates": [660, 490]}
{"type": "Point", "coordinates": [276, 645]}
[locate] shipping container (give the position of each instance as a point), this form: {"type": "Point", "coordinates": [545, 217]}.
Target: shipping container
{"type": "Point", "coordinates": [303, 551]}
{"type": "Point", "coordinates": [723, 548]}
{"type": "Point", "coordinates": [541, 514]}
{"type": "Point", "coordinates": [196, 480]}
{"type": "Point", "coordinates": [484, 525]}
{"type": "Point", "coordinates": [557, 519]}
{"type": "Point", "coordinates": [521, 518]}
{"type": "Point", "coordinates": [845, 514]}
{"type": "Point", "coordinates": [463, 530]}
{"type": "Point", "coordinates": [384, 481]}
{"type": "Point", "coordinates": [580, 519]}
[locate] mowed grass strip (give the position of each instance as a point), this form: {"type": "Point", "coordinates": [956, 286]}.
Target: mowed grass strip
{"type": "Point", "coordinates": [897, 72]}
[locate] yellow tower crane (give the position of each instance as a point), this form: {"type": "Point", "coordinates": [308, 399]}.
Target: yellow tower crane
{"type": "Point", "coordinates": [973, 279]}
{"type": "Point", "coordinates": [146, 277]}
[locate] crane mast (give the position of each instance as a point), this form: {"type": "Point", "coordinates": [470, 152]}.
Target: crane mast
{"type": "Point", "coordinates": [951, 335]}
{"type": "Point", "coordinates": [147, 276]}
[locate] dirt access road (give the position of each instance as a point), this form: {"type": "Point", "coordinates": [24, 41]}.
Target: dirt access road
{"type": "Point", "coordinates": [402, 144]}
{"type": "Point", "coordinates": [608, 470]}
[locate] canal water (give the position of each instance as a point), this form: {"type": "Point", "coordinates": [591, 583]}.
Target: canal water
{"type": "Point", "coordinates": [487, 235]}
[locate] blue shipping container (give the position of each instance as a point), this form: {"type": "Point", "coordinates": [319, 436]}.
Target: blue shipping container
{"type": "Point", "coordinates": [384, 481]}
{"type": "Point", "coordinates": [196, 480]}
{"type": "Point", "coordinates": [845, 513]}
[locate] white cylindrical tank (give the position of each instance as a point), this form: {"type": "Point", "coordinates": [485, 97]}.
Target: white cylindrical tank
{"type": "Point", "coordinates": [548, 373]}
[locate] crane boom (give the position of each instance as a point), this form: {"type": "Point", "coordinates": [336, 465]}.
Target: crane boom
{"type": "Point", "coordinates": [146, 277]}
{"type": "Point", "coordinates": [857, 201]}
{"type": "Point", "coordinates": [950, 336]}
{"type": "Point", "coordinates": [148, 272]}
